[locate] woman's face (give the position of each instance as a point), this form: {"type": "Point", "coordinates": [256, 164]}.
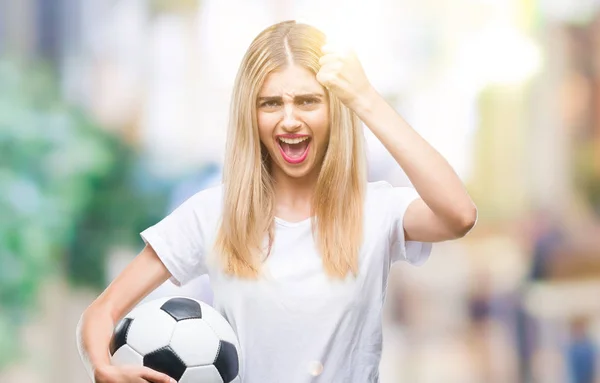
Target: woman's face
{"type": "Point", "coordinates": [293, 121]}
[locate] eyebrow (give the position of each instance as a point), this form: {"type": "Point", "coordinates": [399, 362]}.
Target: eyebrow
{"type": "Point", "coordinates": [296, 97]}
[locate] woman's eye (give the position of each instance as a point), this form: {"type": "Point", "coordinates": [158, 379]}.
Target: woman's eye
{"type": "Point", "coordinates": [308, 101]}
{"type": "Point", "coordinates": [269, 104]}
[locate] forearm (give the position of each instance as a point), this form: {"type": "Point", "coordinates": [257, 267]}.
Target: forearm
{"type": "Point", "coordinates": [427, 170]}
{"type": "Point", "coordinates": [94, 331]}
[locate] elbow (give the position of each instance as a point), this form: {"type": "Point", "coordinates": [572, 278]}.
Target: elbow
{"type": "Point", "coordinates": [85, 315]}
{"type": "Point", "coordinates": [465, 222]}
{"type": "Point", "coordinates": [79, 337]}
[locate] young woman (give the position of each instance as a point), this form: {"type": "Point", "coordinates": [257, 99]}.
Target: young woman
{"type": "Point", "coordinates": [297, 243]}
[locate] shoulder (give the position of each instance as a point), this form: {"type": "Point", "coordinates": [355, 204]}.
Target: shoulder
{"type": "Point", "coordinates": [211, 194]}
{"type": "Point", "coordinates": [379, 192]}
{"type": "Point", "coordinates": [207, 201]}
{"type": "Point", "coordinates": [386, 199]}
{"type": "Point", "coordinates": [378, 187]}
{"type": "Point", "coordinates": [377, 198]}
{"type": "Point", "coordinates": [376, 191]}
{"type": "Point", "coordinates": [383, 189]}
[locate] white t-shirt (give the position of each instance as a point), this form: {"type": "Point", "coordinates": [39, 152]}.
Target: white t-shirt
{"type": "Point", "coordinates": [296, 325]}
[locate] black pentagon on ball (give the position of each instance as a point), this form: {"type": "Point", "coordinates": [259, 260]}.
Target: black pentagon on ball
{"type": "Point", "coordinates": [182, 308]}
{"type": "Point", "coordinates": [166, 361]}
{"type": "Point", "coordinates": [227, 362]}
{"type": "Point", "coordinates": [119, 337]}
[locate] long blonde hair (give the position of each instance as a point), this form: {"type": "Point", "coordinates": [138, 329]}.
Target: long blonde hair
{"type": "Point", "coordinates": [248, 204]}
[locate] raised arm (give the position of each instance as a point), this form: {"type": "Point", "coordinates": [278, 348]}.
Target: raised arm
{"type": "Point", "coordinates": [446, 210]}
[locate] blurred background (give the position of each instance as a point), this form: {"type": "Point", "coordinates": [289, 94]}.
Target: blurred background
{"type": "Point", "coordinates": [112, 112]}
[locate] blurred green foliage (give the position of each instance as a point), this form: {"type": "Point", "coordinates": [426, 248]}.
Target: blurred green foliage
{"type": "Point", "coordinates": [69, 191]}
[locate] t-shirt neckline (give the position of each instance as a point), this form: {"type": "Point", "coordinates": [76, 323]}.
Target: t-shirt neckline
{"type": "Point", "coordinates": [283, 222]}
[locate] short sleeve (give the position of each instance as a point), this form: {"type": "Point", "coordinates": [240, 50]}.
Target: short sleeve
{"type": "Point", "coordinates": [413, 252]}
{"type": "Point", "coordinates": [179, 241]}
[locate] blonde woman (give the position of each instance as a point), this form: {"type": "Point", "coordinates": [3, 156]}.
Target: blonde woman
{"type": "Point", "coordinates": [297, 243]}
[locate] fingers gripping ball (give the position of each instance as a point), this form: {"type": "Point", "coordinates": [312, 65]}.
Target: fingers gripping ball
{"type": "Point", "coordinates": [181, 337]}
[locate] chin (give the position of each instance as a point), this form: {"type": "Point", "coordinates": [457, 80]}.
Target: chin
{"type": "Point", "coordinates": [297, 173]}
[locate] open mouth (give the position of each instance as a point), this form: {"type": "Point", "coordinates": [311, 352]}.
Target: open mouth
{"type": "Point", "coordinates": [294, 150]}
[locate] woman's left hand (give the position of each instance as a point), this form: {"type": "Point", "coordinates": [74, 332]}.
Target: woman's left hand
{"type": "Point", "coordinates": [343, 75]}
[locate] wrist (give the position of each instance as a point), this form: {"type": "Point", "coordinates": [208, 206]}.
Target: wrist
{"type": "Point", "coordinates": [365, 102]}
{"type": "Point", "coordinates": [102, 373]}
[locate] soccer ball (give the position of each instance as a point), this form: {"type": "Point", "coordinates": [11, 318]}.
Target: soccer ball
{"type": "Point", "coordinates": [181, 337]}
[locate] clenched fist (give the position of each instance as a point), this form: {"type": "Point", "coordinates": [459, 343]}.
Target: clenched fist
{"type": "Point", "coordinates": [343, 75]}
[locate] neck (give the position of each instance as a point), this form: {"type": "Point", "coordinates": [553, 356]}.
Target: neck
{"type": "Point", "coordinates": [294, 193]}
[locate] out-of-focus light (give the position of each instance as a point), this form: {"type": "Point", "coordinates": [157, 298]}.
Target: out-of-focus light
{"type": "Point", "coordinates": [568, 11]}
{"type": "Point", "coordinates": [344, 29]}
{"type": "Point", "coordinates": [361, 27]}
{"type": "Point", "coordinates": [499, 55]}
{"type": "Point", "coordinates": [339, 34]}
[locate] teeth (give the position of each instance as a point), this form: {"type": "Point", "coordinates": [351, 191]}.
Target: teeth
{"type": "Point", "coordinates": [293, 140]}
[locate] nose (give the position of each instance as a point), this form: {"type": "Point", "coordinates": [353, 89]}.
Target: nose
{"type": "Point", "coordinates": [290, 120]}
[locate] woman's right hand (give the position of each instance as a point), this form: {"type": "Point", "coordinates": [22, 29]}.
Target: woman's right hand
{"type": "Point", "coordinates": [130, 374]}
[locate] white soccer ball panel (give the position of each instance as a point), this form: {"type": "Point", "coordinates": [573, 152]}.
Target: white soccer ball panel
{"type": "Point", "coordinates": [195, 342]}
{"type": "Point", "coordinates": [219, 325]}
{"type": "Point", "coordinates": [126, 356]}
{"type": "Point", "coordinates": [147, 307]}
{"type": "Point", "coordinates": [150, 331]}
{"type": "Point", "coordinates": [204, 374]}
